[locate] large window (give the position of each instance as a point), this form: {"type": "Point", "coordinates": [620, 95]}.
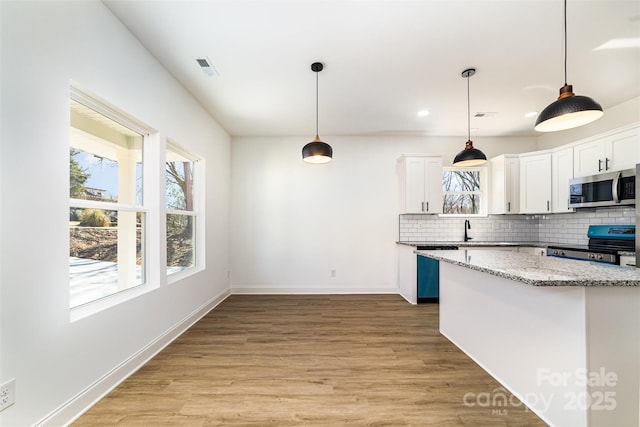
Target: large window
{"type": "Point", "coordinates": [462, 190]}
{"type": "Point", "coordinates": [106, 211]}
{"type": "Point", "coordinates": [181, 218]}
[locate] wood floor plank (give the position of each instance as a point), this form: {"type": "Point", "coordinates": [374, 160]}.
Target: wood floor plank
{"type": "Point", "coordinates": [298, 360]}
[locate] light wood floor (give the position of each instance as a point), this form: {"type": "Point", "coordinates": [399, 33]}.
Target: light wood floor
{"type": "Point", "coordinates": [356, 360]}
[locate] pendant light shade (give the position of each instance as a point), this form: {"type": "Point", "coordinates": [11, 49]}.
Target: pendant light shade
{"type": "Point", "coordinates": [317, 151]}
{"type": "Point", "coordinates": [469, 156]}
{"type": "Point", "coordinates": [570, 110]}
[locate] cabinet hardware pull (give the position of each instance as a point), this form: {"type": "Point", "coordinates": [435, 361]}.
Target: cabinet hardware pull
{"type": "Point", "coordinates": [427, 206]}
{"type": "Point", "coordinates": [599, 165]}
{"type": "Point", "coordinates": [422, 206]}
{"type": "Point", "coordinates": [548, 205]}
{"type": "Point", "coordinates": [606, 163]}
{"type": "Point", "coordinates": [508, 206]}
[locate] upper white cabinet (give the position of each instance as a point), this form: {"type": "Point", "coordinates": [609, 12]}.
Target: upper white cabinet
{"type": "Point", "coordinates": [420, 184]}
{"type": "Point", "coordinates": [612, 152]}
{"type": "Point", "coordinates": [535, 183]}
{"type": "Point", "coordinates": [505, 182]}
{"type": "Point", "coordinates": [561, 173]}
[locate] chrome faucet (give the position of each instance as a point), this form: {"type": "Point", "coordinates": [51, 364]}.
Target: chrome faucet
{"type": "Point", "coordinates": [467, 226]}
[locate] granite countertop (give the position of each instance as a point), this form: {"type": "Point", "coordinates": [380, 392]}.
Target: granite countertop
{"type": "Point", "coordinates": [474, 243]}
{"type": "Point", "coordinates": [539, 270]}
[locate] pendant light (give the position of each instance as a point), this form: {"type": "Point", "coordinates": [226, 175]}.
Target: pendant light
{"type": "Point", "coordinates": [469, 156]}
{"type": "Point", "coordinates": [317, 151]}
{"type": "Point", "coordinates": [570, 110]}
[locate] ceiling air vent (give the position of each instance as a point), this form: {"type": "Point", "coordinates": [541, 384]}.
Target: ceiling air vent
{"type": "Point", "coordinates": [206, 66]}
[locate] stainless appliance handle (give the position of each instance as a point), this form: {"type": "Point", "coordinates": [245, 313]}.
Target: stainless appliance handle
{"type": "Point", "coordinates": [614, 188]}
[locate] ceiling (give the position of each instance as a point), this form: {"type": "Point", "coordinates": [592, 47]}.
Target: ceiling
{"type": "Point", "coordinates": [387, 60]}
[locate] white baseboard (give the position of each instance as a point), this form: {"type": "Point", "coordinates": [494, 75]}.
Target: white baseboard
{"type": "Point", "coordinates": [76, 406]}
{"type": "Point", "coordinates": [324, 290]}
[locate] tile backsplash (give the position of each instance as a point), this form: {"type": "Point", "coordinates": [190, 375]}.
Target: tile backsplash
{"type": "Point", "coordinates": [547, 228]}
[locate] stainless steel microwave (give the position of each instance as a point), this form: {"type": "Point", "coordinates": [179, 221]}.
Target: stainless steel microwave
{"type": "Point", "coordinates": [605, 189]}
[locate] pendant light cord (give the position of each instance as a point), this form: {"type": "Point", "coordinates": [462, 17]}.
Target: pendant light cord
{"type": "Point", "coordinates": [565, 42]}
{"type": "Point", "coordinates": [317, 134]}
{"type": "Point", "coordinates": [468, 111]}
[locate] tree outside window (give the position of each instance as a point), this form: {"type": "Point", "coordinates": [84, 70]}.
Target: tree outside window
{"type": "Point", "coordinates": [181, 214]}
{"type": "Point", "coordinates": [461, 190]}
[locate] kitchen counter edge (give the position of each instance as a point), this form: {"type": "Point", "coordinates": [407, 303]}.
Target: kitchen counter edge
{"type": "Point", "coordinates": [539, 270]}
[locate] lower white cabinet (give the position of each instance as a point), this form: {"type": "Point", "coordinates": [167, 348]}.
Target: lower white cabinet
{"type": "Point", "coordinates": [533, 250]}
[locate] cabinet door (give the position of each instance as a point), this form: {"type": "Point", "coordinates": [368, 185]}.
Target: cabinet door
{"type": "Point", "coordinates": [589, 158]}
{"type": "Point", "coordinates": [561, 173]}
{"type": "Point", "coordinates": [512, 185]}
{"type": "Point", "coordinates": [504, 193]}
{"type": "Point", "coordinates": [414, 189]}
{"type": "Point", "coordinates": [622, 149]}
{"type": "Point", "coordinates": [535, 183]}
{"type": "Point", "coordinates": [433, 185]}
{"type": "Point", "coordinates": [497, 200]}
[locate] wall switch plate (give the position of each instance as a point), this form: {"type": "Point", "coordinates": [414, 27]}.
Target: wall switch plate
{"type": "Point", "coordinates": [7, 394]}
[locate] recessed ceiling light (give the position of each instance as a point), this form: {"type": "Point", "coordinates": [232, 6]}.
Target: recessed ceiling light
{"type": "Point", "coordinates": [531, 114]}
{"type": "Point", "coordinates": [423, 113]}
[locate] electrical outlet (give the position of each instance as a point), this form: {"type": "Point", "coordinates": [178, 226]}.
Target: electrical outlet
{"type": "Point", "coordinates": [7, 394]}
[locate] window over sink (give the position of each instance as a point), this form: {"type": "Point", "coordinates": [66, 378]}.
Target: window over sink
{"type": "Point", "coordinates": [463, 191]}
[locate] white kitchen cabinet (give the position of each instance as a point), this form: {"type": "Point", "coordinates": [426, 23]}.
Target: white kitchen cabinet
{"type": "Point", "coordinates": [532, 250]}
{"type": "Point", "coordinates": [420, 184]}
{"type": "Point", "coordinates": [561, 173]}
{"type": "Point", "coordinates": [628, 260]}
{"type": "Point", "coordinates": [616, 151]}
{"type": "Point", "coordinates": [535, 183]}
{"type": "Point", "coordinates": [504, 184]}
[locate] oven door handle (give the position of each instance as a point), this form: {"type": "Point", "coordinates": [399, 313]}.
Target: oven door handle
{"type": "Point", "coordinates": [614, 188]}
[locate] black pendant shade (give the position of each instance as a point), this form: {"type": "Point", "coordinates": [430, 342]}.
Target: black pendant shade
{"type": "Point", "coordinates": [469, 156]}
{"type": "Point", "coordinates": [569, 110]}
{"type": "Point", "coordinates": [317, 151]}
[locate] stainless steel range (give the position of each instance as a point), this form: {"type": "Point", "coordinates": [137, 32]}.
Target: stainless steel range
{"type": "Point", "coordinates": [605, 243]}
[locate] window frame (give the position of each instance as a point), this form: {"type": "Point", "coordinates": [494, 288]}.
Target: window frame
{"type": "Point", "coordinates": [197, 212]}
{"type": "Point", "coordinates": [150, 139]}
{"type": "Point", "coordinates": [482, 193]}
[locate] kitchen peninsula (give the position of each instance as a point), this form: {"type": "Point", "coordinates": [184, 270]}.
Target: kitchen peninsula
{"type": "Point", "coordinates": [561, 335]}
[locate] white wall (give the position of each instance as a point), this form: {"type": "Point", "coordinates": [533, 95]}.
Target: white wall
{"type": "Point", "coordinates": [615, 117]}
{"type": "Point", "coordinates": [44, 46]}
{"type": "Point", "coordinates": [293, 222]}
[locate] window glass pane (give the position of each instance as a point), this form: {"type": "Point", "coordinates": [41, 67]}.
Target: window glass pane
{"type": "Point", "coordinates": [106, 253]}
{"type": "Point", "coordinates": [461, 191]}
{"type": "Point", "coordinates": [461, 204]}
{"type": "Point", "coordinates": [105, 158]}
{"type": "Point", "coordinates": [461, 181]}
{"type": "Point", "coordinates": [180, 242]}
{"type": "Point", "coordinates": [179, 172]}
